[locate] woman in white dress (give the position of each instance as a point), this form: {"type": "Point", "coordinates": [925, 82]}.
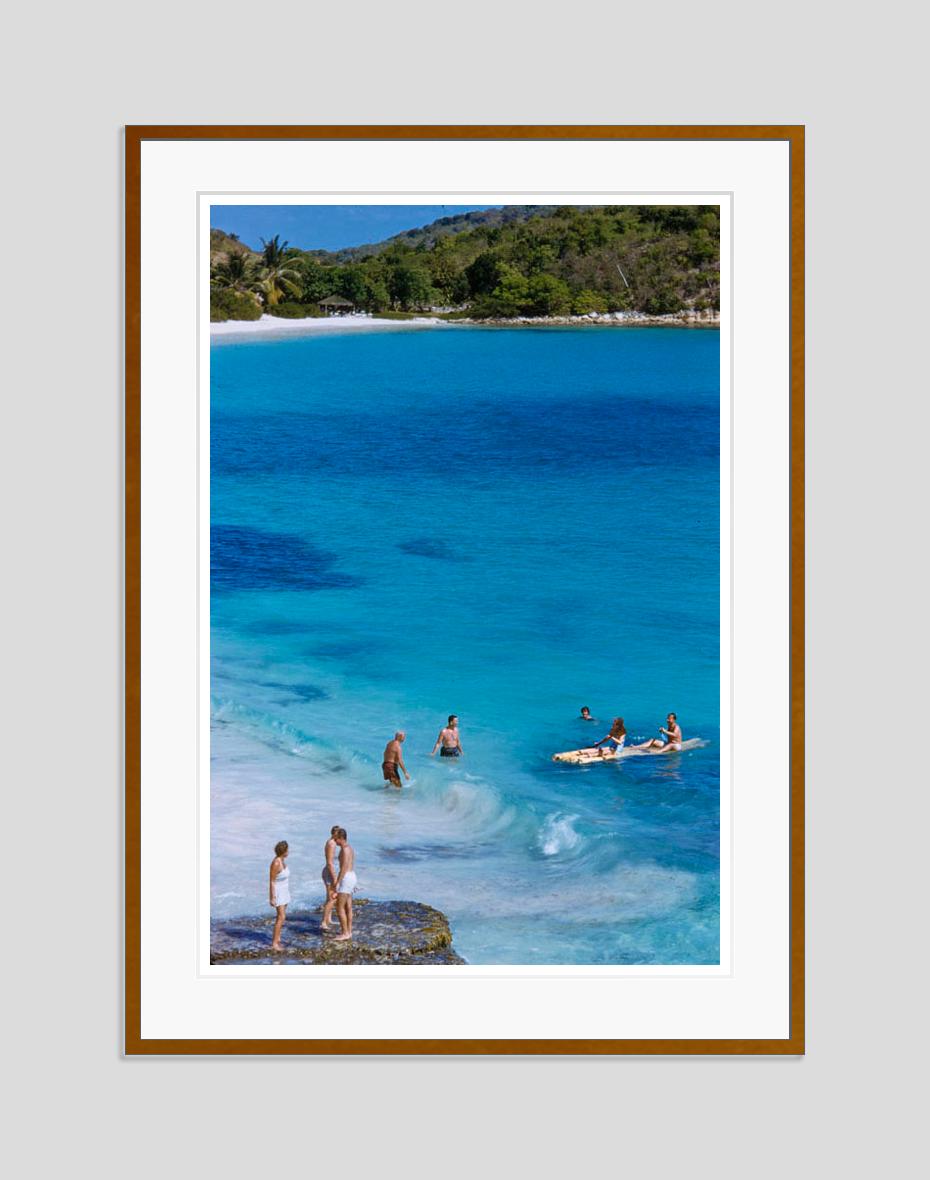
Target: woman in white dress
{"type": "Point", "coordinates": [279, 893]}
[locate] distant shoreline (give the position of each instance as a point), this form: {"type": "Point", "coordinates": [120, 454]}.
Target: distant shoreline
{"type": "Point", "coordinates": [607, 319]}
{"type": "Point", "coordinates": [276, 325]}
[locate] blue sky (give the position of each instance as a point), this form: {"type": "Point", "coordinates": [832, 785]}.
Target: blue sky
{"type": "Point", "coordinates": [327, 227]}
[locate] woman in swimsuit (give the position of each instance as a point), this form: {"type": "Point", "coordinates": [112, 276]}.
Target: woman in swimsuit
{"type": "Point", "coordinates": [329, 879]}
{"type": "Point", "coordinates": [279, 893]}
{"type": "Point", "coordinates": [617, 736]}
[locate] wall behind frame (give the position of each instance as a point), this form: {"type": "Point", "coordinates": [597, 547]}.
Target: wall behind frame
{"type": "Point", "coordinates": [88, 72]}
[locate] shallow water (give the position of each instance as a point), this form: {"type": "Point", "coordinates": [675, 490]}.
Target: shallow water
{"type": "Point", "coordinates": [504, 523]}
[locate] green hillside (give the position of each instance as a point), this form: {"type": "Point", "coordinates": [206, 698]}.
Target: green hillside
{"type": "Point", "coordinates": [223, 244]}
{"type": "Point", "coordinates": [443, 227]}
{"type": "Point", "coordinates": [517, 261]}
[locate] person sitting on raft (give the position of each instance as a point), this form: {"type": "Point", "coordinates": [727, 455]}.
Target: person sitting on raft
{"type": "Point", "coordinates": [616, 737]}
{"type": "Point", "coordinates": [671, 741]}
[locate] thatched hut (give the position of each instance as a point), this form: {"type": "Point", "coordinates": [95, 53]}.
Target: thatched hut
{"type": "Point", "coordinates": [336, 305]}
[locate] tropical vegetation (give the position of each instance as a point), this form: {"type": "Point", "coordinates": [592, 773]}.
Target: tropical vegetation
{"type": "Point", "coordinates": [516, 261]}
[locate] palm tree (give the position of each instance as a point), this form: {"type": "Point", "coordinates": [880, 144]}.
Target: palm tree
{"type": "Point", "coordinates": [279, 275]}
{"type": "Point", "coordinates": [235, 271]}
{"type": "Point", "coordinates": [273, 251]}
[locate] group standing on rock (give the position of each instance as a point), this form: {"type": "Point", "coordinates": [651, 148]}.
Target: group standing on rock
{"type": "Point", "coordinates": [340, 884]}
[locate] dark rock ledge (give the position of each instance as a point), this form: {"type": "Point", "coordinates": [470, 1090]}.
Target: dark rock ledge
{"type": "Point", "coordinates": [383, 932]}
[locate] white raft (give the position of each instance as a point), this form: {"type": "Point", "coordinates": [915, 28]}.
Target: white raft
{"type": "Point", "coordinates": [588, 755]}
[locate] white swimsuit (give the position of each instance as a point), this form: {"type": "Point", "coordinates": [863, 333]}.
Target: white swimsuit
{"type": "Point", "coordinates": [282, 892]}
{"type": "Point", "coordinates": [348, 884]}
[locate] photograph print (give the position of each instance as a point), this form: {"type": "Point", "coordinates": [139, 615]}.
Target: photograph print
{"type": "Point", "coordinates": [465, 591]}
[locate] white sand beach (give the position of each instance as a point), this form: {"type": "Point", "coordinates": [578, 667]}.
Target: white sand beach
{"type": "Point", "coordinates": [274, 325]}
{"type": "Point", "coordinates": [332, 323]}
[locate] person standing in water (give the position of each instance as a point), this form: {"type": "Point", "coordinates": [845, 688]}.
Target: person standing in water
{"type": "Point", "coordinates": [329, 878]}
{"type": "Point", "coordinates": [448, 740]}
{"type": "Point", "coordinates": [279, 893]}
{"type": "Point", "coordinates": [671, 741]}
{"type": "Point", "coordinates": [392, 759]}
{"type": "Point", "coordinates": [616, 737]}
{"type": "Point", "coordinates": [346, 884]}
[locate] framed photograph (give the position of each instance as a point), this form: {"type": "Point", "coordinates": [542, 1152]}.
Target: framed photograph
{"type": "Point", "coordinates": [464, 590]}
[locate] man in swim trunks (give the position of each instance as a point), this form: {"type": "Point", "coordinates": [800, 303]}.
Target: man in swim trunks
{"type": "Point", "coordinates": [345, 886]}
{"type": "Point", "coordinates": [671, 741]}
{"type": "Point", "coordinates": [392, 759]}
{"type": "Point", "coordinates": [329, 879]}
{"type": "Point", "coordinates": [449, 740]}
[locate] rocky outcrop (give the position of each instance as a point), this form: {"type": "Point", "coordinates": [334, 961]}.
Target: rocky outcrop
{"type": "Point", "coordinates": [383, 932]}
{"type": "Point", "coordinates": [688, 318]}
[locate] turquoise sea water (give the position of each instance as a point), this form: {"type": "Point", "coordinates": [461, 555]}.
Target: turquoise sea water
{"type": "Point", "coordinates": [502, 523]}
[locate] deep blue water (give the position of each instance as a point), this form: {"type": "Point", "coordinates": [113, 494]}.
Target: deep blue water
{"type": "Point", "coordinates": [502, 523]}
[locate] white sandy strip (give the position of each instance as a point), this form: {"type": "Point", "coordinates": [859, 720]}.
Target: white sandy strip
{"type": "Point", "coordinates": [330, 323]}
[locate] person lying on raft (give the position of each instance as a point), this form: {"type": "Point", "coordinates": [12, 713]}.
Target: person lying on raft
{"type": "Point", "coordinates": [616, 737]}
{"type": "Point", "coordinates": [671, 741]}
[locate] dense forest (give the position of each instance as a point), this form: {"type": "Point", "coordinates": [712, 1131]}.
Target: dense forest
{"type": "Point", "coordinates": [525, 260]}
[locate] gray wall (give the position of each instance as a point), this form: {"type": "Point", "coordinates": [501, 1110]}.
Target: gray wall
{"type": "Point", "coordinates": [74, 75]}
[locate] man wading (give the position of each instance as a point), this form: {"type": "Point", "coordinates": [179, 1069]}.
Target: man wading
{"type": "Point", "coordinates": [392, 758]}
{"type": "Point", "coordinates": [448, 740]}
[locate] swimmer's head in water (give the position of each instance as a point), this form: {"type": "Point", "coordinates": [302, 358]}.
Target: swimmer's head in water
{"type": "Point", "coordinates": [585, 711]}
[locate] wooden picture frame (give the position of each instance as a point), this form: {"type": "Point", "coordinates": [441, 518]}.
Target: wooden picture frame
{"type": "Point", "coordinates": [135, 1042]}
